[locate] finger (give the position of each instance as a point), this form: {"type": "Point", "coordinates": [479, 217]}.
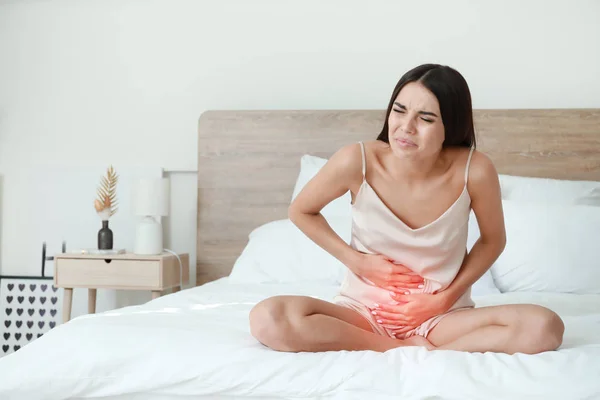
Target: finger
{"type": "Point", "coordinates": [401, 298]}
{"type": "Point", "coordinates": [395, 289]}
{"type": "Point", "coordinates": [399, 294]}
{"type": "Point", "coordinates": [408, 272]}
{"type": "Point", "coordinates": [398, 308]}
{"type": "Point", "coordinates": [395, 320]}
{"type": "Point", "coordinates": [399, 266]}
{"type": "Point", "coordinates": [403, 330]}
{"type": "Point", "coordinates": [391, 325]}
{"type": "Point", "coordinates": [399, 282]}
{"type": "Point", "coordinates": [398, 291]}
{"type": "Point", "coordinates": [405, 272]}
{"type": "Point", "coordinates": [392, 282]}
{"type": "Point", "coordinates": [406, 278]}
{"type": "Point", "coordinates": [389, 316]}
{"type": "Point", "coordinates": [408, 285]}
{"type": "Point", "coordinates": [394, 325]}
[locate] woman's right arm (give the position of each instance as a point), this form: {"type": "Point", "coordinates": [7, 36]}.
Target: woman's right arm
{"type": "Point", "coordinates": [341, 173]}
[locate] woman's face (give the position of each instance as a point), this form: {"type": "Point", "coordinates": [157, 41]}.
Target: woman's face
{"type": "Point", "coordinates": [415, 123]}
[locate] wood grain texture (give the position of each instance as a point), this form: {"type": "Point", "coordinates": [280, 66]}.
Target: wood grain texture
{"type": "Point", "coordinates": [123, 271]}
{"type": "Point", "coordinates": [118, 274]}
{"type": "Point", "coordinates": [248, 161]}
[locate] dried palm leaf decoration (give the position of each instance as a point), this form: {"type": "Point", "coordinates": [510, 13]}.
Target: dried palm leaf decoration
{"type": "Point", "coordinates": [106, 202]}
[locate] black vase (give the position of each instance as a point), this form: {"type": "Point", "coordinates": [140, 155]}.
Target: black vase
{"type": "Point", "coordinates": [105, 237]}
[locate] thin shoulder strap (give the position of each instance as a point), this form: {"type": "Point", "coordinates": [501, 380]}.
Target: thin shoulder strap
{"type": "Point", "coordinates": [468, 163]}
{"type": "Point", "coordinates": [364, 161]}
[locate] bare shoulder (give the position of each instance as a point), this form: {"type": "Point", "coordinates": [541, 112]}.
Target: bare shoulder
{"type": "Point", "coordinates": [482, 167]}
{"type": "Point", "coordinates": [342, 172]}
{"type": "Point", "coordinates": [347, 161]}
{"type": "Point", "coordinates": [482, 173]}
{"type": "Point", "coordinates": [374, 146]}
{"type": "Point", "coordinates": [375, 151]}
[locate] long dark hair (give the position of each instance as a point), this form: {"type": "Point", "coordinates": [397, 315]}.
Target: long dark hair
{"type": "Point", "coordinates": [453, 96]}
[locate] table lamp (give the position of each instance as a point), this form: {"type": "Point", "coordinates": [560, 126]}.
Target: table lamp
{"type": "Point", "coordinates": [150, 201]}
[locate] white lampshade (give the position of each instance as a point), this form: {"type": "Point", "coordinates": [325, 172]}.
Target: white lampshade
{"type": "Point", "coordinates": [151, 197]}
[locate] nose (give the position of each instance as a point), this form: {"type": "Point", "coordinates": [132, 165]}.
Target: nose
{"type": "Point", "coordinates": [408, 126]}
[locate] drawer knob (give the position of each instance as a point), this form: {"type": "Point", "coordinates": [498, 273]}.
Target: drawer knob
{"type": "Point", "coordinates": [107, 260]}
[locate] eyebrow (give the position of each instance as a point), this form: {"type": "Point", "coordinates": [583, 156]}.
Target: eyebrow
{"type": "Point", "coordinates": [402, 106]}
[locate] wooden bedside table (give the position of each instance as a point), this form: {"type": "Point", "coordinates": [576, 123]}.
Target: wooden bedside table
{"type": "Point", "coordinates": [119, 271]}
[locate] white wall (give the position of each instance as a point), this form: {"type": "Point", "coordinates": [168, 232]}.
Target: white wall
{"type": "Point", "coordinates": [124, 81]}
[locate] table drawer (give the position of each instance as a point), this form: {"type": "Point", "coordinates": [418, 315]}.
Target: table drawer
{"type": "Point", "coordinates": [125, 274]}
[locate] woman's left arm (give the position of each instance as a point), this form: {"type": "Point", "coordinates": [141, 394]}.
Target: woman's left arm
{"type": "Point", "coordinates": [486, 202]}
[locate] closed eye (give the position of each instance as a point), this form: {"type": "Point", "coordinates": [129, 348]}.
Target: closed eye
{"type": "Point", "coordinates": [402, 112]}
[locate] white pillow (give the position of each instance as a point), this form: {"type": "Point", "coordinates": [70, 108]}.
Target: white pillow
{"type": "Point", "coordinates": [546, 190]}
{"type": "Point", "coordinates": [550, 248]}
{"type": "Point", "coordinates": [309, 166]}
{"type": "Point", "coordinates": [279, 252]}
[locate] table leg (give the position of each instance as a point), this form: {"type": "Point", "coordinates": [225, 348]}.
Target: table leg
{"type": "Point", "coordinates": [155, 294]}
{"type": "Point", "coordinates": [67, 301]}
{"type": "Point", "coordinates": [91, 301]}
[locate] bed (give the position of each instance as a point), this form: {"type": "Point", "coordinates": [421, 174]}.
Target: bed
{"type": "Point", "coordinates": [196, 343]}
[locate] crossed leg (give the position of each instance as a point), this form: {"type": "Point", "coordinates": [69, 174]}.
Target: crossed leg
{"type": "Point", "coordinates": [301, 323]}
{"type": "Point", "coordinates": [514, 328]}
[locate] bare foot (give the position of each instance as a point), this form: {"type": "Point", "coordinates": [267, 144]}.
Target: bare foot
{"type": "Point", "coordinates": [419, 341]}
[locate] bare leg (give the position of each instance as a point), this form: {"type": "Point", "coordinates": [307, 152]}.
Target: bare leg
{"type": "Point", "coordinates": [515, 328]}
{"type": "Point", "coordinates": [300, 323]}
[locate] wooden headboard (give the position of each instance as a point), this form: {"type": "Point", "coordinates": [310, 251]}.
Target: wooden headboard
{"type": "Point", "coordinates": [248, 161]}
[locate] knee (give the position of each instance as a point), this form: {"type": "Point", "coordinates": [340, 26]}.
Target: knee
{"type": "Point", "coordinates": [544, 330]}
{"type": "Point", "coordinates": [269, 322]}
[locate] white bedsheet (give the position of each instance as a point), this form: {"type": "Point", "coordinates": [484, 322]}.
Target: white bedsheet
{"type": "Point", "coordinates": [197, 342]}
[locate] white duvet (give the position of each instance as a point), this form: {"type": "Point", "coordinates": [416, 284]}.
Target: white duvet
{"type": "Point", "coordinates": [196, 344]}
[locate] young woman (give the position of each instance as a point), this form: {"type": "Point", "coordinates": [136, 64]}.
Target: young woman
{"type": "Point", "coordinates": [409, 275]}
